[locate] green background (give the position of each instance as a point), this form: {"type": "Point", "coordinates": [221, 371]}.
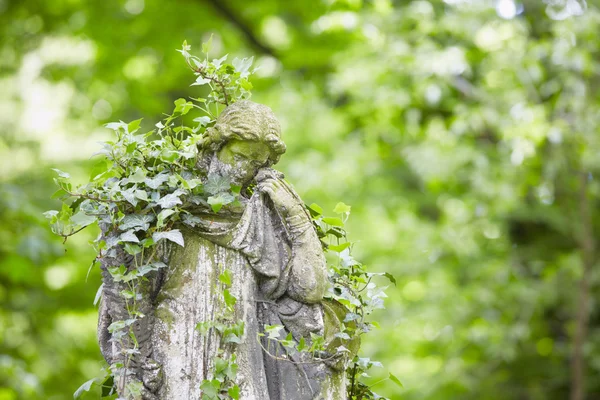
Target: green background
{"type": "Point", "coordinates": [463, 133]}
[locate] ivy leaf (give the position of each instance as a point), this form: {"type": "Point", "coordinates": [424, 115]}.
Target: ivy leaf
{"type": "Point", "coordinates": [156, 181]}
{"type": "Point", "coordinates": [342, 335]}
{"type": "Point", "coordinates": [200, 81]}
{"type": "Point", "coordinates": [216, 184]}
{"type": "Point", "coordinates": [61, 174]}
{"type": "Point", "coordinates": [144, 269]}
{"type": "Point", "coordinates": [301, 344]}
{"type": "Point", "coordinates": [341, 208]}
{"type": "Point", "coordinates": [216, 202]}
{"type": "Point", "coordinates": [174, 236]}
{"type": "Point", "coordinates": [273, 330]}
{"type": "Point", "coordinates": [162, 216]}
{"type": "Point", "coordinates": [82, 219]}
{"type": "Point", "coordinates": [390, 277]}
{"type": "Point", "coordinates": [191, 220]}
{"type": "Point", "coordinates": [86, 387]}
{"type": "Point", "coordinates": [234, 392]}
{"type": "Point", "coordinates": [134, 125]}
{"type": "Point", "coordinates": [206, 46]}
{"type": "Point", "coordinates": [315, 210]}
{"type": "Point", "coordinates": [182, 106]}
{"type": "Point", "coordinates": [230, 299]}
{"type": "Point", "coordinates": [243, 66]}
{"type": "Point", "coordinates": [217, 62]}
{"type": "Point", "coordinates": [395, 380]}
{"type": "Point", "coordinates": [129, 236]}
{"type": "Point", "coordinates": [129, 196]}
{"type": "Point", "coordinates": [137, 221]}
{"type": "Point", "coordinates": [115, 126]}
{"type": "Point", "coordinates": [107, 386]}
{"type": "Point", "coordinates": [170, 200]}
{"type": "Point", "coordinates": [138, 177]}
{"type": "Point", "coordinates": [333, 221]}
{"type": "Point", "coordinates": [351, 317]}
{"type": "Point", "coordinates": [141, 194]}
{"type": "Point", "coordinates": [203, 120]}
{"type": "Point", "coordinates": [339, 247]}
{"type": "Point", "coordinates": [225, 277]}
{"type": "Point", "coordinates": [98, 294]}
{"type": "Point", "coordinates": [98, 169]}
{"type": "Point", "coordinates": [210, 388]}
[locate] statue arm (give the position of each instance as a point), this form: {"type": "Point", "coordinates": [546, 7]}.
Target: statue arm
{"type": "Point", "coordinates": [308, 270]}
{"type": "Point", "coordinates": [308, 281]}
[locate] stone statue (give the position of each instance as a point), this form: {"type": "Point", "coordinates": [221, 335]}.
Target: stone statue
{"type": "Point", "coordinates": [268, 243]}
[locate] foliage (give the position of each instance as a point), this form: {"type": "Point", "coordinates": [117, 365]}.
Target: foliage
{"type": "Point", "coordinates": [457, 131]}
{"type": "Point", "coordinates": [353, 287]}
{"type": "Point", "coordinates": [140, 188]}
{"type": "Point", "coordinates": [144, 184]}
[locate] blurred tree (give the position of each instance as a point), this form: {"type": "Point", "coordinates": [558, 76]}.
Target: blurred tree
{"type": "Point", "coordinates": [463, 133]}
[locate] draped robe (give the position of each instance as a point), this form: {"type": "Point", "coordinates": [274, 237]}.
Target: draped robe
{"type": "Point", "coordinates": [278, 277]}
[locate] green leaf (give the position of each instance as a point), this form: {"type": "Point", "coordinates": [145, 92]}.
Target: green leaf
{"type": "Point", "coordinates": [129, 236]}
{"type": "Point", "coordinates": [134, 125]}
{"type": "Point", "coordinates": [82, 219]}
{"type": "Point", "coordinates": [132, 249]}
{"type": "Point", "coordinates": [206, 47]}
{"type": "Point", "coordinates": [98, 294]}
{"type": "Point", "coordinates": [170, 200]}
{"type": "Point", "coordinates": [243, 66]}
{"type": "Point", "coordinates": [174, 236]}
{"type": "Point", "coordinates": [230, 299]}
{"type": "Point", "coordinates": [339, 248]}
{"type": "Point", "coordinates": [395, 380]}
{"type": "Point", "coordinates": [333, 221]}
{"type": "Point", "coordinates": [98, 169]}
{"type": "Point", "coordinates": [136, 221]}
{"type": "Point", "coordinates": [162, 216]}
{"type": "Point", "coordinates": [64, 175]}
{"type": "Point", "coordinates": [138, 177]}
{"type": "Point", "coordinates": [341, 208]}
{"type": "Point", "coordinates": [220, 200]}
{"type": "Point", "coordinates": [183, 106]}
{"type": "Point", "coordinates": [141, 194]}
{"type": "Point", "coordinates": [107, 386]}
{"type": "Point", "coordinates": [216, 184]}
{"type": "Point", "coordinates": [156, 181]}
{"type": "Point", "coordinates": [225, 277]}
{"type": "Point", "coordinates": [84, 388]}
{"type": "Point", "coordinates": [169, 155]}
{"type": "Point", "coordinates": [234, 392]}
{"type": "Point", "coordinates": [116, 126]}
{"type": "Point", "coordinates": [203, 120]}
{"type": "Point", "coordinates": [58, 194]}
{"type": "Point", "coordinates": [273, 330]}
{"type": "Point", "coordinates": [301, 344]}
{"type": "Point", "coordinates": [315, 210]}
{"type": "Point", "coordinates": [390, 277]}
{"type": "Point", "coordinates": [210, 388]}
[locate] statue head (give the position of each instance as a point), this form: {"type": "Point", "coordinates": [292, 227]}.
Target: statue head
{"type": "Point", "coordinates": [245, 138]}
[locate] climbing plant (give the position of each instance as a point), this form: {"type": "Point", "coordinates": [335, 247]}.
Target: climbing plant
{"type": "Point", "coordinates": [145, 185]}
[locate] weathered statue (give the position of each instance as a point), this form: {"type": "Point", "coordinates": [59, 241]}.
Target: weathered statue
{"type": "Point", "coordinates": [279, 277]}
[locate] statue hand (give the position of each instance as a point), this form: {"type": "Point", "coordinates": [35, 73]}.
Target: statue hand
{"type": "Point", "coordinates": [285, 201]}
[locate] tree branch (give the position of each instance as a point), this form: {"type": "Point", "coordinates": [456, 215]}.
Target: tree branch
{"type": "Point", "coordinates": [581, 329]}
{"type": "Point", "coordinates": [222, 8]}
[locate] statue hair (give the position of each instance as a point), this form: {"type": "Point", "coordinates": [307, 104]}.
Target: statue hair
{"type": "Point", "coordinates": [244, 120]}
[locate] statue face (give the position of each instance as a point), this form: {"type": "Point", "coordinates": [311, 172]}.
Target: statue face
{"type": "Point", "coordinates": [243, 159]}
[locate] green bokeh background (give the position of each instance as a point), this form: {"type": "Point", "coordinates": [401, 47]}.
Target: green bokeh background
{"type": "Point", "coordinates": [464, 133]}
